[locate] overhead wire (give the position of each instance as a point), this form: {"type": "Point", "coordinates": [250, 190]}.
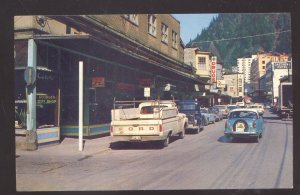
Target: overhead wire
{"type": "Point", "coordinates": [244, 37]}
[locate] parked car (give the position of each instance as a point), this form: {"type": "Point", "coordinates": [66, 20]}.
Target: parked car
{"type": "Point", "coordinates": [244, 123]}
{"type": "Point", "coordinates": [210, 117]}
{"type": "Point", "coordinates": [259, 108]}
{"type": "Point", "coordinates": [153, 120]}
{"type": "Point", "coordinates": [217, 113]}
{"type": "Point", "coordinates": [192, 111]}
{"type": "Point", "coordinates": [223, 109]}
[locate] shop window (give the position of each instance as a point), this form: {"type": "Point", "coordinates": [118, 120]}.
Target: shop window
{"type": "Point", "coordinates": [152, 25]}
{"type": "Point", "coordinates": [20, 53]}
{"type": "Point", "coordinates": [164, 33]}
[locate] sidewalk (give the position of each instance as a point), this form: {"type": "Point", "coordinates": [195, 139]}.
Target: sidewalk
{"type": "Point", "coordinates": [68, 146]}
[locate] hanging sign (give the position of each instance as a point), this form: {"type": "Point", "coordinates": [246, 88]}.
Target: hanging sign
{"type": "Point", "coordinates": [146, 82]}
{"type": "Point", "coordinates": [213, 69]}
{"type": "Point", "coordinates": [98, 82]}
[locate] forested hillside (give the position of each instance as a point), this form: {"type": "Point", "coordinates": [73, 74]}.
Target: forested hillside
{"type": "Point", "coordinates": [241, 35]}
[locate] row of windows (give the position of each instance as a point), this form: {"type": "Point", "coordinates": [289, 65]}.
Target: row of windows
{"type": "Point", "coordinates": [152, 28]}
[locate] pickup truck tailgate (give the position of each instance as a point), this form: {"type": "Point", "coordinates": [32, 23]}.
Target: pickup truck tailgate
{"type": "Point", "coordinates": [136, 127]}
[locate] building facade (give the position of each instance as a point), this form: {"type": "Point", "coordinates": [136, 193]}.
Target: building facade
{"type": "Point", "coordinates": [274, 72]}
{"type": "Point", "coordinates": [244, 67]}
{"type": "Point", "coordinates": [258, 66]}
{"type": "Point", "coordinates": [234, 85]}
{"type": "Point", "coordinates": [200, 61]}
{"type": "Point", "coordinates": [121, 55]}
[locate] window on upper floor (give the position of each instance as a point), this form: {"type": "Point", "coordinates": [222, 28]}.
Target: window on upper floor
{"type": "Point", "coordinates": [263, 62]}
{"type": "Point", "coordinates": [152, 25]}
{"type": "Point", "coordinates": [133, 18]}
{"type": "Point", "coordinates": [263, 67]}
{"type": "Point", "coordinates": [164, 33]}
{"type": "Point", "coordinates": [174, 39]}
{"type": "Point", "coordinates": [202, 63]}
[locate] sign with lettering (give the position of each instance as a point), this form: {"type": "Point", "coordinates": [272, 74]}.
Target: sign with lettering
{"type": "Point", "coordinates": [98, 82]}
{"type": "Point", "coordinates": [146, 82]}
{"type": "Point", "coordinates": [213, 69]}
{"type": "Point", "coordinates": [221, 83]}
{"type": "Point", "coordinates": [42, 99]}
{"type": "Point", "coordinates": [282, 65]}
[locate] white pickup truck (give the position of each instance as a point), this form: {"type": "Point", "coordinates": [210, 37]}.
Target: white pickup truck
{"type": "Point", "coordinates": [152, 120]}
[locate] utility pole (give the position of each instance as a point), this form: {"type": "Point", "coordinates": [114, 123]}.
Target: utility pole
{"type": "Point", "coordinates": [30, 78]}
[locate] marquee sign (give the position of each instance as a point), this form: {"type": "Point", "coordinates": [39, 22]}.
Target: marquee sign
{"type": "Point", "coordinates": [213, 69]}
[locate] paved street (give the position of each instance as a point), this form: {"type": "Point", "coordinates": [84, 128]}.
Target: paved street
{"type": "Point", "coordinates": [207, 160]}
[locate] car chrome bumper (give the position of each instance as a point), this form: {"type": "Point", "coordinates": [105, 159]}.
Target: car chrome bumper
{"type": "Point", "coordinates": [241, 134]}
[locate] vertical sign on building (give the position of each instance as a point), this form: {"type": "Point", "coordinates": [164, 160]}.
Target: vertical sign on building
{"type": "Point", "coordinates": [213, 69]}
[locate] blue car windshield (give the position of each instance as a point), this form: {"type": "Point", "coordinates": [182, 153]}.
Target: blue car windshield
{"type": "Point", "coordinates": [243, 114]}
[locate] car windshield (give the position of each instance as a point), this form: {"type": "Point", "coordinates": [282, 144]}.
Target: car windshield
{"type": "Point", "coordinates": [243, 114]}
{"type": "Point", "coordinates": [186, 106]}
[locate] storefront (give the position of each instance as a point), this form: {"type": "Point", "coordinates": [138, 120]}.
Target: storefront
{"type": "Point", "coordinates": [108, 74]}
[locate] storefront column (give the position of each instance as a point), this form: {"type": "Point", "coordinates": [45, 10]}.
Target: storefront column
{"type": "Point", "coordinates": [31, 134]}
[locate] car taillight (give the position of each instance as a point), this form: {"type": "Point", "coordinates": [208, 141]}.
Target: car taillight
{"type": "Point", "coordinates": [160, 128]}
{"type": "Point", "coordinates": [254, 124]}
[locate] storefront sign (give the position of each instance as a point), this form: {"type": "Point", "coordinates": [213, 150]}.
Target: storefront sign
{"type": "Point", "coordinates": [146, 82]}
{"type": "Point", "coordinates": [221, 83]}
{"type": "Point", "coordinates": [231, 89]}
{"type": "Point", "coordinates": [213, 69]}
{"type": "Point", "coordinates": [282, 65]}
{"type": "Point", "coordinates": [42, 99]}
{"type": "Point", "coordinates": [98, 82]}
{"type": "Point", "coordinates": [43, 75]}
{"type": "Point", "coordinates": [125, 87]}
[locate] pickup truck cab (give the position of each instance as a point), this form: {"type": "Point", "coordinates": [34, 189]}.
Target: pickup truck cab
{"type": "Point", "coordinates": [151, 121]}
{"type": "Point", "coordinates": [192, 110]}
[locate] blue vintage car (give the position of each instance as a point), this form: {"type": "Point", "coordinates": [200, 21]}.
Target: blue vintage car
{"type": "Point", "coordinates": [244, 123]}
{"type": "Point", "coordinates": [192, 111]}
{"type": "Point", "coordinates": [208, 115]}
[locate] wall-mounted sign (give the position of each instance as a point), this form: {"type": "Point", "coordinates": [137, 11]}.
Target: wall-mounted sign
{"type": "Point", "coordinates": [147, 92]}
{"type": "Point", "coordinates": [213, 69]}
{"type": "Point", "coordinates": [282, 65]}
{"type": "Point", "coordinates": [147, 82]}
{"type": "Point", "coordinates": [125, 87]}
{"type": "Point", "coordinates": [221, 83]}
{"type": "Point", "coordinates": [42, 99]}
{"type": "Point", "coordinates": [231, 89]}
{"type": "Point", "coordinates": [98, 82]}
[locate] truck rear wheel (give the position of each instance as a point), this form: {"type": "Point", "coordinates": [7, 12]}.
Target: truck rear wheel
{"type": "Point", "coordinates": [166, 142]}
{"type": "Point", "coordinates": [182, 133]}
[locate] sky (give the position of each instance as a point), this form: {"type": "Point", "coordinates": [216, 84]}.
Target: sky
{"type": "Point", "coordinates": [192, 24]}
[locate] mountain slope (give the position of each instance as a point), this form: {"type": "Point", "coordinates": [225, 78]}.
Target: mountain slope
{"type": "Point", "coordinates": [242, 35]}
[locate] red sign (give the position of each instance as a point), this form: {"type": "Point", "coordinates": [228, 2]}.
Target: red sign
{"type": "Point", "coordinates": [213, 69]}
{"type": "Point", "coordinates": [125, 87]}
{"type": "Point", "coordinates": [98, 82]}
{"type": "Point", "coordinates": [146, 82]}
